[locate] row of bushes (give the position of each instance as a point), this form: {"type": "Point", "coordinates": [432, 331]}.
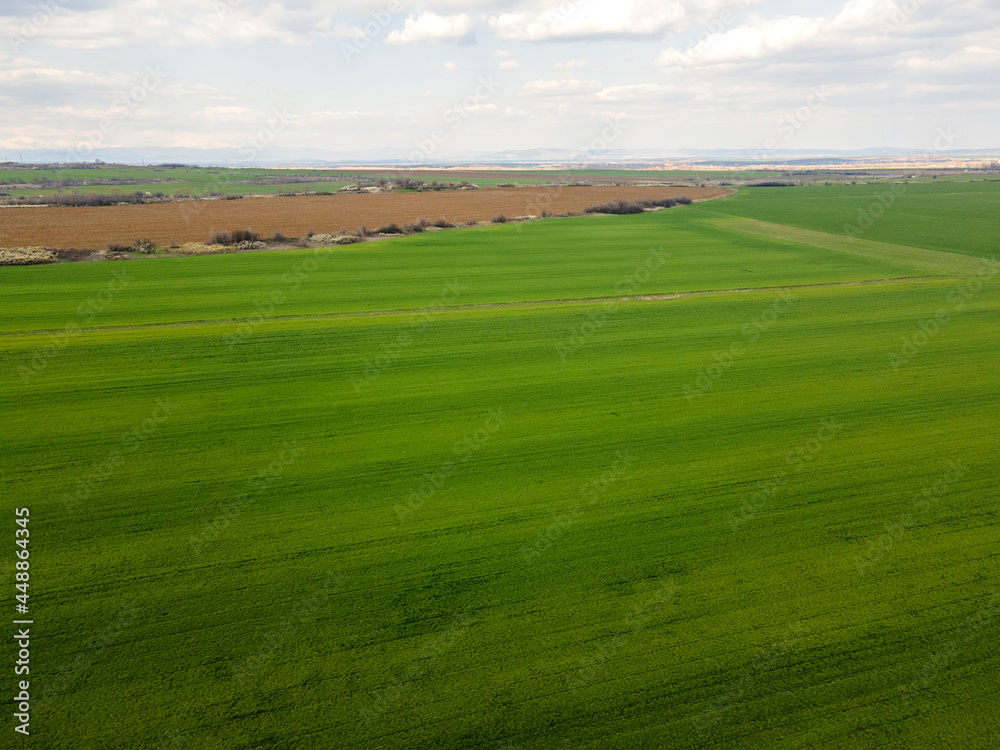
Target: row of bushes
{"type": "Point", "coordinates": [141, 245]}
{"type": "Point", "coordinates": [637, 207]}
{"type": "Point", "coordinates": [420, 186]}
{"type": "Point", "coordinates": [418, 226]}
{"type": "Point", "coordinates": [237, 236]}
{"type": "Point", "coordinates": [249, 239]}
{"type": "Point", "coordinates": [91, 199]}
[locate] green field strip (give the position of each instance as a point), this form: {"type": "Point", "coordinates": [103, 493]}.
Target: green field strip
{"type": "Point", "coordinates": [485, 306]}
{"type": "Point", "coordinates": [933, 260]}
{"type": "Point", "coordinates": [662, 253]}
{"type": "Point", "coordinates": [962, 218]}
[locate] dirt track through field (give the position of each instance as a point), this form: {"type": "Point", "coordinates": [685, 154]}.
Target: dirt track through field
{"type": "Point", "coordinates": [193, 221]}
{"type": "Point", "coordinates": [484, 306]}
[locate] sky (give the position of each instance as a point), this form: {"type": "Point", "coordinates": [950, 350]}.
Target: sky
{"type": "Point", "coordinates": [441, 77]}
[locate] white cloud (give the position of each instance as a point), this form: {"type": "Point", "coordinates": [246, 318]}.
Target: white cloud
{"type": "Point", "coordinates": [641, 91]}
{"type": "Point", "coordinates": [230, 114]}
{"type": "Point", "coordinates": [432, 28]}
{"type": "Point", "coordinates": [862, 29]}
{"type": "Point", "coordinates": [971, 59]}
{"type": "Point", "coordinates": [561, 88]}
{"type": "Point", "coordinates": [579, 19]}
{"type": "Point", "coordinates": [909, 63]}
{"type": "Point", "coordinates": [754, 41]}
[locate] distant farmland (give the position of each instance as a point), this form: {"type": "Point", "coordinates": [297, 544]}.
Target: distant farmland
{"type": "Point", "coordinates": [193, 221]}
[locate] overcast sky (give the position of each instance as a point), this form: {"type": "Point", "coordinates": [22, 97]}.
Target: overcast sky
{"type": "Point", "coordinates": [443, 76]}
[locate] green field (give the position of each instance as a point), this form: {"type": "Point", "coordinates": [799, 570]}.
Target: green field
{"type": "Point", "coordinates": [959, 217]}
{"type": "Point", "coordinates": [471, 490]}
{"type": "Point", "coordinates": [200, 181]}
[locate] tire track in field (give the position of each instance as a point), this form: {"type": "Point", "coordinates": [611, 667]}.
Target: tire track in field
{"type": "Point", "coordinates": [479, 306]}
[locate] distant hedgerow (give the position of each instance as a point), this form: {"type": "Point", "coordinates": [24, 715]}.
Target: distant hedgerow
{"type": "Point", "coordinates": [637, 207]}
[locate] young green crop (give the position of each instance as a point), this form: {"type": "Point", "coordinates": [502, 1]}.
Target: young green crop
{"type": "Point", "coordinates": [717, 520]}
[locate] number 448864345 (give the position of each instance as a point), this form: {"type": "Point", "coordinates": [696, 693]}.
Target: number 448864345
{"type": "Point", "coordinates": [21, 539]}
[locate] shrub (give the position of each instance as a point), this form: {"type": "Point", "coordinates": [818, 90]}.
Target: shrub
{"type": "Point", "coordinates": [616, 207]}
{"type": "Point", "coordinates": [391, 229]}
{"type": "Point", "coordinates": [279, 236]}
{"type": "Point", "coordinates": [637, 207]}
{"type": "Point", "coordinates": [143, 245]}
{"type": "Point", "coordinates": [500, 219]}
{"type": "Point", "coordinates": [771, 183]}
{"type": "Point", "coordinates": [220, 238]}
{"type": "Point", "coordinates": [245, 235]}
{"type": "Point", "coordinates": [443, 223]}
{"type": "Point", "coordinates": [118, 247]}
{"type": "Point", "coordinates": [26, 256]}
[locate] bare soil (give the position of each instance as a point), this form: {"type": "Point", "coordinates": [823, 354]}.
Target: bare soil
{"type": "Point", "coordinates": [194, 221]}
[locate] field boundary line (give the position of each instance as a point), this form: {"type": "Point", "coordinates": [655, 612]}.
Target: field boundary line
{"type": "Point", "coordinates": [481, 306]}
{"type": "Point", "coordinates": [918, 257]}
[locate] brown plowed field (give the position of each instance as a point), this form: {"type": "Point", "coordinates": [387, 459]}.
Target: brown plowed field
{"type": "Point", "coordinates": [194, 221]}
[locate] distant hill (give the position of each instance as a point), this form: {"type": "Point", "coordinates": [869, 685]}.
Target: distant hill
{"type": "Point", "coordinates": [401, 157]}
